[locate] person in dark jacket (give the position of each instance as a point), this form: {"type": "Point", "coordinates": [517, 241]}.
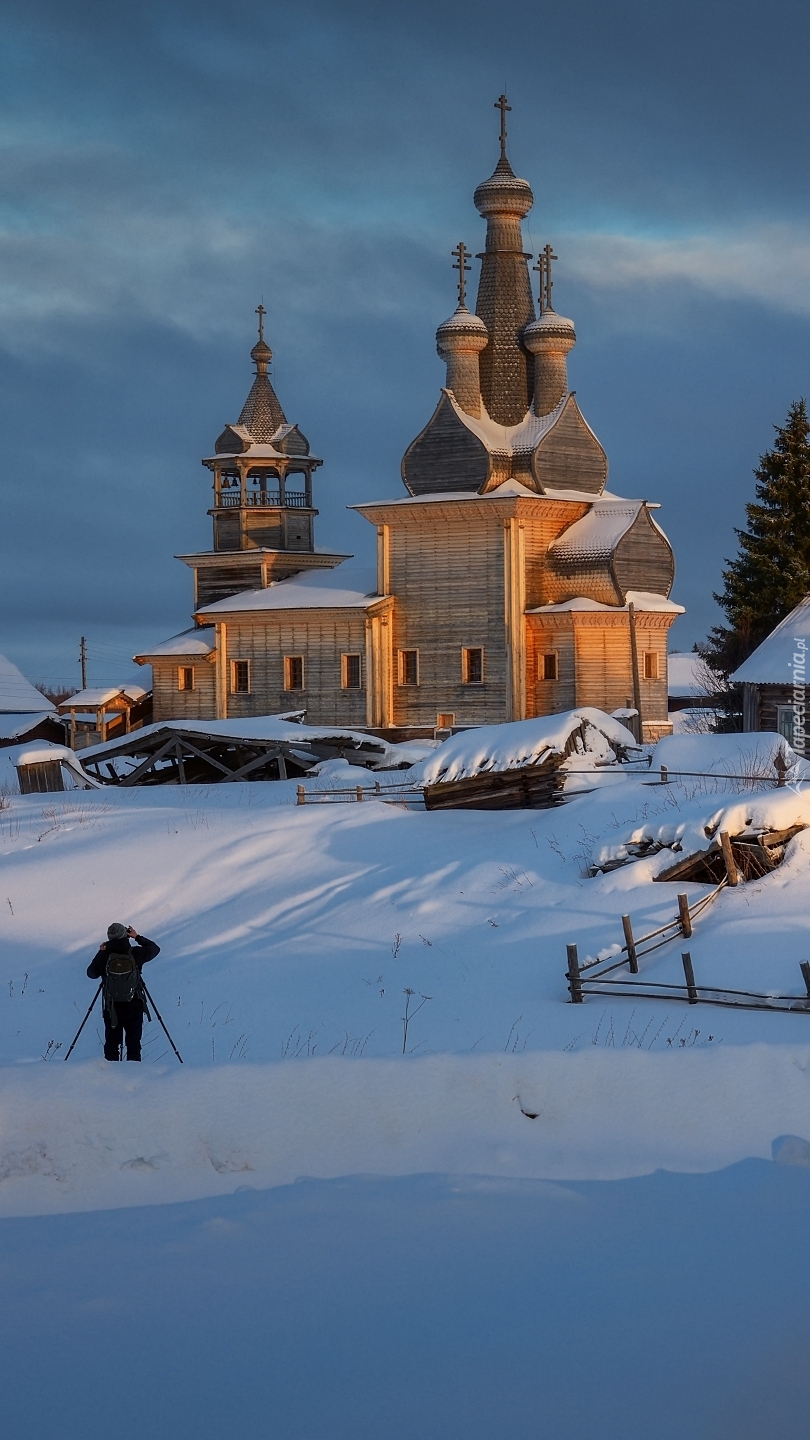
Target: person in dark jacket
{"type": "Point", "coordinates": [128, 1014]}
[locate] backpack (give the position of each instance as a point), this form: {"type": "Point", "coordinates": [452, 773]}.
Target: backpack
{"type": "Point", "coordinates": [122, 981]}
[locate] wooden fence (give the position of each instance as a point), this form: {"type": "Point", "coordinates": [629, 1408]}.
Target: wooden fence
{"type": "Point", "coordinates": [389, 794]}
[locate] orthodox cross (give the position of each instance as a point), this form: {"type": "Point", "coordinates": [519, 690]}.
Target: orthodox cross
{"type": "Point", "coordinates": [261, 312]}
{"type": "Point", "coordinates": [460, 264]}
{"type": "Point", "coordinates": [543, 265]}
{"type": "Point", "coordinates": [500, 104]}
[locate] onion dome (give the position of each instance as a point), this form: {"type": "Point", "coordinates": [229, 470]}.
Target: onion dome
{"type": "Point", "coordinates": [463, 331]}
{"type": "Point", "coordinates": [549, 329]}
{"type": "Point", "coordinates": [262, 355]}
{"type": "Point", "coordinates": [503, 193]}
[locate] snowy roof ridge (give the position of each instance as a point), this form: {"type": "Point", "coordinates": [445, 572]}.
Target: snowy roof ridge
{"type": "Point", "coordinates": [198, 640]}
{"type": "Point", "coordinates": [773, 662]}
{"type": "Point", "coordinates": [308, 590]}
{"type": "Point", "coordinates": [17, 695]}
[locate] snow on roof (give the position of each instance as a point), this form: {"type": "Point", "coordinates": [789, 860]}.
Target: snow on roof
{"type": "Point", "coordinates": [94, 698]}
{"type": "Point", "coordinates": [518, 743]}
{"type": "Point", "coordinates": [642, 600]}
{"type": "Point", "coordinates": [13, 726]}
{"type": "Point", "coordinates": [695, 827]}
{"type": "Point", "coordinates": [750, 753]}
{"type": "Point", "coordinates": [18, 695]}
{"type": "Point", "coordinates": [199, 640]}
{"type": "Point", "coordinates": [773, 662]}
{"type": "Point", "coordinates": [44, 751]}
{"type": "Point", "coordinates": [257, 727]}
{"type": "Point", "coordinates": [319, 590]}
{"type": "Point", "coordinates": [594, 538]}
{"type": "Point", "coordinates": [508, 489]}
{"type": "Point", "coordinates": [686, 669]}
{"type": "Point", "coordinates": [523, 436]}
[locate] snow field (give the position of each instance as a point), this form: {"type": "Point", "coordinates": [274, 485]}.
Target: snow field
{"type": "Point", "coordinates": [290, 935]}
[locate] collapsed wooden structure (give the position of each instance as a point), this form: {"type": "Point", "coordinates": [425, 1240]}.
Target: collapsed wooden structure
{"type": "Point", "coordinates": [736, 858]}
{"type": "Point", "coordinates": [202, 753]}
{"type": "Point", "coordinates": [522, 765]}
{"type": "Point", "coordinates": [198, 754]}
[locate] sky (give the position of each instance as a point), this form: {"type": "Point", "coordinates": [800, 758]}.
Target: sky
{"type": "Point", "coordinates": [166, 166]}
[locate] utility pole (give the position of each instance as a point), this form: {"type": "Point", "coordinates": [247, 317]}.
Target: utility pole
{"type": "Point", "coordinates": [83, 658]}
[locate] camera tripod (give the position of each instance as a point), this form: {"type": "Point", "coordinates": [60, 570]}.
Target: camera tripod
{"type": "Point", "coordinates": [148, 997]}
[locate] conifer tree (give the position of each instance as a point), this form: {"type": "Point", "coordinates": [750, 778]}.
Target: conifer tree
{"type": "Point", "coordinates": [771, 573]}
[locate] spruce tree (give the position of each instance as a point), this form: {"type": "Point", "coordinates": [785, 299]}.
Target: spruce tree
{"type": "Point", "coordinates": [771, 573]}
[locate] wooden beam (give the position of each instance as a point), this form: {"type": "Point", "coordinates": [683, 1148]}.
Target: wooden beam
{"type": "Point", "coordinates": [149, 762]}
{"type": "Point", "coordinates": [728, 858]}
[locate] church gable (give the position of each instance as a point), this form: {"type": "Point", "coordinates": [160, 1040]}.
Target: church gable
{"type": "Point", "coordinates": [446, 456]}
{"type": "Point", "coordinates": [643, 558]}
{"type": "Point", "coordinates": [289, 440]}
{"type": "Point", "coordinates": [233, 440]}
{"type": "Point", "coordinates": [569, 457]}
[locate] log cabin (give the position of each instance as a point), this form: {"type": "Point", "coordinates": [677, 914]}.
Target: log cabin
{"type": "Point", "coordinates": [509, 582]}
{"type": "Point", "coordinates": [774, 680]}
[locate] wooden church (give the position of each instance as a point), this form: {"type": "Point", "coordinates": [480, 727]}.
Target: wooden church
{"type": "Point", "coordinates": [509, 583]}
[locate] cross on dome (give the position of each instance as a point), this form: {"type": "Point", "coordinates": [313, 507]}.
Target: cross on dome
{"type": "Point", "coordinates": [502, 105]}
{"type": "Point", "coordinates": [460, 264]}
{"type": "Point", "coordinates": [543, 265]}
{"type": "Point", "coordinates": [261, 312]}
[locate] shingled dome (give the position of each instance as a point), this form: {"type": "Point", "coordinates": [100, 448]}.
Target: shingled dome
{"type": "Point", "coordinates": [262, 414]}
{"type": "Point", "coordinates": [503, 193]}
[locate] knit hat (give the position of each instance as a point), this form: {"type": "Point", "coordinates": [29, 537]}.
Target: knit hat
{"type": "Point", "coordinates": [116, 931]}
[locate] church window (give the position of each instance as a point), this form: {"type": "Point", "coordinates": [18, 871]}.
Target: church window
{"type": "Point", "coordinates": [472, 666]}
{"type": "Point", "coordinates": [240, 677]}
{"type": "Point", "coordinates": [185, 677]}
{"type": "Point", "coordinates": [409, 667]}
{"type": "Point", "coordinates": [352, 672]}
{"type": "Point", "coordinates": [650, 664]}
{"type": "Point", "coordinates": [547, 667]}
{"type": "Point", "coordinates": [293, 672]}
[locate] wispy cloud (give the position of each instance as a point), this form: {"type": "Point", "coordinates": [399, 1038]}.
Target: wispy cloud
{"type": "Point", "coordinates": [768, 264]}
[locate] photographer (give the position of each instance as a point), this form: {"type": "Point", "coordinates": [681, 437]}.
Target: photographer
{"type": "Point", "coordinates": [118, 965]}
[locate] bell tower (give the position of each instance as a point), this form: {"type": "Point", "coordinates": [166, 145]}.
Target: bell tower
{"type": "Point", "coordinates": [263, 513]}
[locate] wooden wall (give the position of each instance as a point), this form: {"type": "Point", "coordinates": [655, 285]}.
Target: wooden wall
{"type": "Point", "coordinates": [321, 636]}
{"type": "Point", "coordinates": [169, 703]}
{"type": "Point", "coordinates": [595, 663]}
{"type": "Point", "coordinates": [446, 568]}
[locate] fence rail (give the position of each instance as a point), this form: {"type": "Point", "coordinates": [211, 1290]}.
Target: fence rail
{"type": "Point", "coordinates": [395, 794]}
{"type": "Point", "coordinates": [694, 994]}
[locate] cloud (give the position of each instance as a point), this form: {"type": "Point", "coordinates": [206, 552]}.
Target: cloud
{"type": "Point", "coordinates": [768, 264]}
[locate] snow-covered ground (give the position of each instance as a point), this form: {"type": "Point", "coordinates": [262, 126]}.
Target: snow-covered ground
{"type": "Point", "coordinates": [290, 936]}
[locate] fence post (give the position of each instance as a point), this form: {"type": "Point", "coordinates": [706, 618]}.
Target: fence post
{"type": "Point", "coordinates": [573, 976]}
{"type": "Point", "coordinates": [804, 966]}
{"type": "Point", "coordinates": [664, 775]}
{"type": "Point", "coordinates": [684, 916]}
{"type": "Point", "coordinates": [631, 944]}
{"type": "Point", "coordinates": [690, 977]}
{"type": "Point", "coordinates": [301, 794]}
{"type": "Point", "coordinates": [359, 789]}
{"type": "Point", "coordinates": [728, 856]}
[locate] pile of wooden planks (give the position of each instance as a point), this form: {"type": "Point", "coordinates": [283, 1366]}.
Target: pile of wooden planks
{"type": "Point", "coordinates": [737, 858]}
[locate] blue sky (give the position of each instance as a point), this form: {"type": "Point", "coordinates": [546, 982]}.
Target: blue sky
{"type": "Point", "coordinates": [164, 166]}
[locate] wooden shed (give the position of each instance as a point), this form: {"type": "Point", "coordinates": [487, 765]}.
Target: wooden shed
{"type": "Point", "coordinates": [774, 680]}
{"type": "Point", "coordinates": [98, 715]}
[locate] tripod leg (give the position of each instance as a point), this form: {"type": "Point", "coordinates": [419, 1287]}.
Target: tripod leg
{"type": "Point", "coordinates": [160, 1018]}
{"type": "Point", "coordinates": [86, 1018]}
